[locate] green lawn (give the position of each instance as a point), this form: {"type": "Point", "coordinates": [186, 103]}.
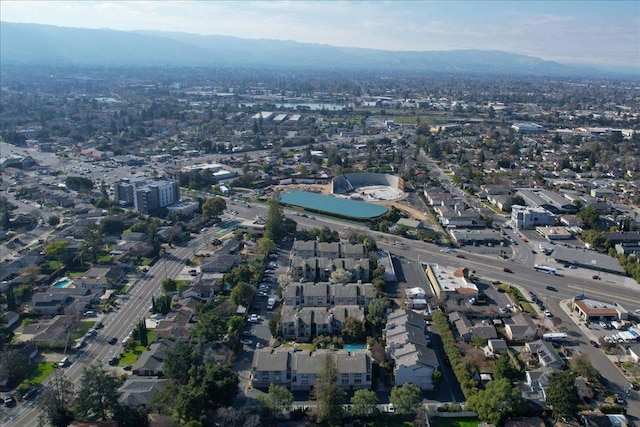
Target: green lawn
{"type": "Point", "coordinates": [180, 284]}
{"type": "Point", "coordinates": [39, 373]}
{"type": "Point", "coordinates": [130, 357]}
{"type": "Point", "coordinates": [454, 422]}
{"type": "Point", "coordinates": [84, 327]}
{"type": "Point", "coordinates": [527, 307]}
{"type": "Point", "coordinates": [74, 274]}
{"type": "Point", "coordinates": [309, 347]}
{"type": "Point", "coordinates": [105, 258]}
{"type": "Point", "coordinates": [147, 261]}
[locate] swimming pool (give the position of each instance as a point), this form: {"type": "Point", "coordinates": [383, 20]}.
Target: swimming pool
{"type": "Point", "coordinates": [352, 347]}
{"type": "Point", "coordinates": [65, 282]}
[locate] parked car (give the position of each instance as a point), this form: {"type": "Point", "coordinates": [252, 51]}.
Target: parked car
{"type": "Point", "coordinates": [31, 393]}
{"type": "Point", "coordinates": [9, 400]}
{"type": "Point", "coordinates": [113, 361]}
{"type": "Point", "coordinates": [619, 399]}
{"type": "Point", "coordinates": [595, 344]}
{"type": "Point", "coordinates": [391, 408]}
{"type": "Point", "coordinates": [127, 367]}
{"type": "Point", "coordinates": [246, 341]}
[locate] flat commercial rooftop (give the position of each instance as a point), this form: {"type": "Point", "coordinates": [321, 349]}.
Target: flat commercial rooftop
{"type": "Point", "coordinates": [333, 205]}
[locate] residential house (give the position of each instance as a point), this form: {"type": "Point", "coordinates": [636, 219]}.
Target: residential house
{"type": "Point", "coordinates": [221, 263]}
{"type": "Point", "coordinates": [536, 382]}
{"type": "Point", "coordinates": [545, 353]}
{"type": "Point", "coordinates": [54, 332]}
{"type": "Point", "coordinates": [200, 291]}
{"type": "Point", "coordinates": [101, 277]}
{"type": "Point", "coordinates": [151, 362]}
{"type": "Point", "coordinates": [521, 328]}
{"type": "Point", "coordinates": [139, 391]}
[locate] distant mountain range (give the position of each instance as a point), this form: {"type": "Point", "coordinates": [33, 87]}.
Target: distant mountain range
{"type": "Point", "coordinates": [44, 45]}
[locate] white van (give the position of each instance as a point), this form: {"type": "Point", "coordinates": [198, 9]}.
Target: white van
{"type": "Point", "coordinates": [64, 362]}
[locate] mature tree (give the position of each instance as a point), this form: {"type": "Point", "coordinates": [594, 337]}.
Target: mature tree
{"type": "Point", "coordinates": [590, 216]}
{"type": "Point", "coordinates": [512, 200]}
{"type": "Point", "coordinates": [57, 399]}
{"type": "Point", "coordinates": [14, 366]}
{"type": "Point", "coordinates": [241, 294]}
{"type": "Point", "coordinates": [341, 276]}
{"type": "Point", "coordinates": [79, 183]}
{"type": "Point", "coordinates": [53, 220]}
{"type": "Point", "coordinates": [562, 394]}
{"type": "Point", "coordinates": [378, 311]}
{"type": "Point", "coordinates": [92, 243]}
{"type": "Point", "coordinates": [235, 324]}
{"type": "Point", "coordinates": [406, 398]}
{"type": "Point", "coordinates": [57, 250]}
{"type": "Point", "coordinates": [581, 365]}
{"type": "Point", "coordinates": [169, 285]}
{"type": "Point", "coordinates": [265, 246]}
{"type": "Point", "coordinates": [364, 402]}
{"type": "Point", "coordinates": [213, 207]}
{"type": "Point", "coordinates": [330, 395]}
{"type": "Point", "coordinates": [141, 333]}
{"type": "Point", "coordinates": [97, 398]}
{"type": "Point", "coordinates": [209, 387]}
{"type": "Point", "coordinates": [111, 225]}
{"type": "Point", "coordinates": [177, 362]}
{"type": "Point", "coordinates": [503, 368]}
{"type": "Point", "coordinates": [12, 304]}
{"type": "Point", "coordinates": [497, 400]}
{"type": "Point", "coordinates": [277, 399]}
{"type": "Point", "coordinates": [353, 331]}
{"type": "Point", "coordinates": [277, 227]}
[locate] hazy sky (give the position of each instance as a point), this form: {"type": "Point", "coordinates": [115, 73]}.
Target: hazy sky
{"type": "Point", "coordinates": [594, 32]}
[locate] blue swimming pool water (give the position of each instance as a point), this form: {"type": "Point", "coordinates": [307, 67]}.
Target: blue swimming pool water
{"type": "Point", "coordinates": [333, 205]}
{"type": "Point", "coordinates": [63, 283]}
{"type": "Point", "coordinates": [352, 347]}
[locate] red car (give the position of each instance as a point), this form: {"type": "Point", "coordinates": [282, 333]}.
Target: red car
{"type": "Point", "coordinates": [459, 256]}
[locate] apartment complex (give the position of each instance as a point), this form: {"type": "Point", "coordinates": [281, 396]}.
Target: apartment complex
{"type": "Point", "coordinates": [297, 370]}
{"type": "Point", "coordinates": [147, 195]}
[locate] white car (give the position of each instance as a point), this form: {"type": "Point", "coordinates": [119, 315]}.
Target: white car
{"type": "Point", "coordinates": [246, 341]}
{"type": "Point", "coordinates": [548, 313]}
{"type": "Point", "coordinates": [391, 408]}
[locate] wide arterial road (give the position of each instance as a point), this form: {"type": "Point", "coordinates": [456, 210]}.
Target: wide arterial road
{"type": "Point", "coordinates": [117, 324]}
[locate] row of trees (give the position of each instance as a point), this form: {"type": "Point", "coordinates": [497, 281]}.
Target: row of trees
{"type": "Point", "coordinates": [95, 400]}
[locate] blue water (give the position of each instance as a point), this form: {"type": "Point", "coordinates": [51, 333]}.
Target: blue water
{"type": "Point", "coordinates": [62, 283]}
{"type": "Point", "coordinates": [352, 347]}
{"type": "Point", "coordinates": [333, 205]}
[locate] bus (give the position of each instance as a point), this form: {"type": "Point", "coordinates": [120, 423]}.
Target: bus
{"type": "Point", "coordinates": [544, 269]}
{"type": "Point", "coordinates": [554, 336]}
